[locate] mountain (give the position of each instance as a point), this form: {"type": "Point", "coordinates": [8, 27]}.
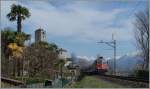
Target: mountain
{"type": "Point", "coordinates": [127, 63]}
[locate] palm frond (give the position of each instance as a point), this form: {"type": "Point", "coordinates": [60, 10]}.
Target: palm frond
{"type": "Point", "coordinates": [12, 18]}
{"type": "Point", "coordinates": [17, 10]}
{"type": "Point", "coordinates": [25, 12]}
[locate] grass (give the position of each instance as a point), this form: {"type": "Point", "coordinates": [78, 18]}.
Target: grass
{"type": "Point", "coordinates": [93, 82]}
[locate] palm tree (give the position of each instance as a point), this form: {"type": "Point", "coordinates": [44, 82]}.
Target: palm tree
{"type": "Point", "coordinates": [16, 52]}
{"type": "Point", "coordinates": [7, 36]}
{"type": "Point", "coordinates": [12, 44]}
{"type": "Point", "coordinates": [18, 13]}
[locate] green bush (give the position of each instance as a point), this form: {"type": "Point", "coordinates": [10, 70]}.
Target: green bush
{"type": "Point", "coordinates": [142, 73]}
{"type": "Point", "coordinates": [81, 76]}
{"type": "Point", "coordinates": [34, 80]}
{"type": "Point", "coordinates": [30, 80]}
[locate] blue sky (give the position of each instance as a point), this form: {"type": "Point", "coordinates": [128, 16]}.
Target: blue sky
{"type": "Point", "coordinates": [77, 25]}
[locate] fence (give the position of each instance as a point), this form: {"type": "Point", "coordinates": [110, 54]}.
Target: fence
{"type": "Point", "coordinates": [7, 83]}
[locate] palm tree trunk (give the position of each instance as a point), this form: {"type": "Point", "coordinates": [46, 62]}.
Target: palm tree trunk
{"type": "Point", "coordinates": [14, 68]}
{"type": "Point", "coordinates": [18, 67]}
{"type": "Point", "coordinates": [19, 26]}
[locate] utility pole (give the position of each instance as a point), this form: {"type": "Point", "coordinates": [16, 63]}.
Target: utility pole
{"type": "Point", "coordinates": [113, 45]}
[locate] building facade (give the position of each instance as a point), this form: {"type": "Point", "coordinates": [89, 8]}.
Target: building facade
{"type": "Point", "coordinates": [63, 54]}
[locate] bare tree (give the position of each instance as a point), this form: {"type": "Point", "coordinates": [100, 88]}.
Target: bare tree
{"type": "Point", "coordinates": [39, 60]}
{"type": "Point", "coordinates": [142, 35]}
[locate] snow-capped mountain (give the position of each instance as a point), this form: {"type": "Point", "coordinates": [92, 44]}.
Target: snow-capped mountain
{"type": "Point", "coordinates": [82, 61]}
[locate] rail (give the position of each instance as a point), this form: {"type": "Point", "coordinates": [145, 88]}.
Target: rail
{"type": "Point", "coordinates": [128, 78]}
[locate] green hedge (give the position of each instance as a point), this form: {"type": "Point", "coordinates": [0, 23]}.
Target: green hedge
{"type": "Point", "coordinates": [142, 73]}
{"type": "Point", "coordinates": [31, 80]}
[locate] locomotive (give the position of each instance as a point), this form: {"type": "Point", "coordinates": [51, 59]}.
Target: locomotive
{"type": "Point", "coordinates": [99, 66]}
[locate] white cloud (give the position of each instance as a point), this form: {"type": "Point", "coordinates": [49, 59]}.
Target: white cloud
{"type": "Point", "coordinates": [87, 58]}
{"type": "Point", "coordinates": [111, 58]}
{"type": "Point", "coordinates": [81, 23]}
{"type": "Point", "coordinates": [4, 9]}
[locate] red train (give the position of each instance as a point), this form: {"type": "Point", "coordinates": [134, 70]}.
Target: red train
{"type": "Point", "coordinates": [101, 65]}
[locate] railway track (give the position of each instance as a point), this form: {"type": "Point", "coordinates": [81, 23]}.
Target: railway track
{"type": "Point", "coordinates": [135, 79]}
{"type": "Point", "coordinates": [131, 82]}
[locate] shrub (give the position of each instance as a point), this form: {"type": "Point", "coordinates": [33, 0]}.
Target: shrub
{"type": "Point", "coordinates": [81, 76]}
{"type": "Point", "coordinates": [142, 73]}
{"type": "Point", "coordinates": [30, 80]}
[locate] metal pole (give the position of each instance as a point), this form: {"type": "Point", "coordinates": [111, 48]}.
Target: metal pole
{"type": "Point", "coordinates": [114, 57]}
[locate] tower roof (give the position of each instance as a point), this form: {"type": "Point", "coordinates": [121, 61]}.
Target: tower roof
{"type": "Point", "coordinates": [40, 29]}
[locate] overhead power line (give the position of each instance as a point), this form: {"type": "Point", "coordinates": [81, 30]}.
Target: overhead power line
{"type": "Point", "coordinates": [113, 45]}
